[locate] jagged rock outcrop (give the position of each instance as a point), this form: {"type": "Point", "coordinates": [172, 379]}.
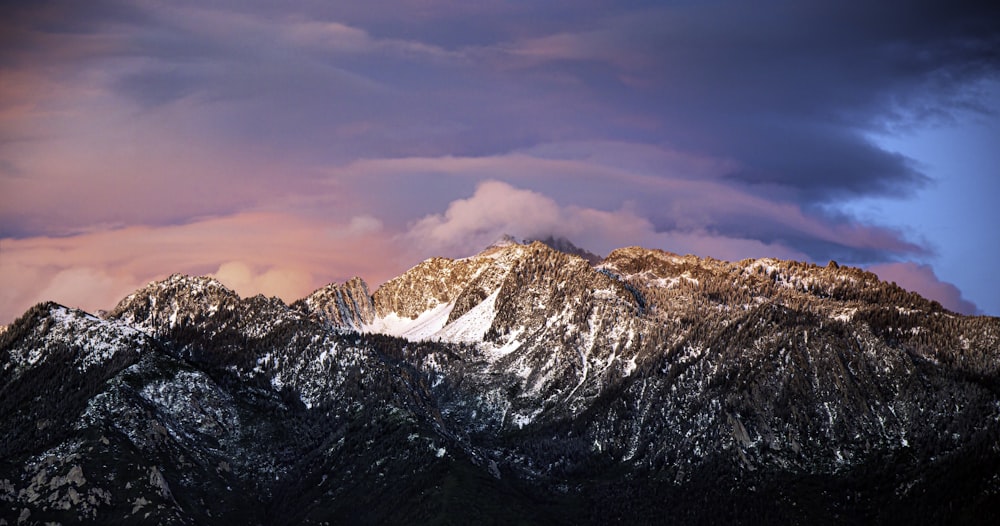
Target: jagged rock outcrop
{"type": "Point", "coordinates": [348, 305]}
{"type": "Point", "coordinates": [425, 286]}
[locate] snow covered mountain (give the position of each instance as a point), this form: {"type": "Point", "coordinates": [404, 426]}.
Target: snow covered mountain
{"type": "Point", "coordinates": [523, 384]}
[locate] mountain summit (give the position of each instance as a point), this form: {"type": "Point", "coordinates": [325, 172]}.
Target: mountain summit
{"type": "Point", "coordinates": [560, 244]}
{"type": "Point", "coordinates": [524, 384]}
{"type": "Point", "coordinates": [564, 245]}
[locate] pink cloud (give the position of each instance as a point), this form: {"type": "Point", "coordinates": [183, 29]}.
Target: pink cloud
{"type": "Point", "coordinates": [126, 170]}
{"type": "Point", "coordinates": [497, 208]}
{"type": "Point", "coordinates": [921, 279]}
{"type": "Point", "coordinates": [273, 254]}
{"type": "Point", "coordinates": [687, 190]}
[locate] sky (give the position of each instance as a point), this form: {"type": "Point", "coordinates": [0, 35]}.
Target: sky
{"type": "Point", "coordinates": [282, 146]}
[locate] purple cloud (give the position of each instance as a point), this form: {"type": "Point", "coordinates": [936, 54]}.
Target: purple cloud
{"type": "Point", "coordinates": [922, 280]}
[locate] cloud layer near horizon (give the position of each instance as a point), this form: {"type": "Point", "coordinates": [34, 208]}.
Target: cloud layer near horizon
{"type": "Point", "coordinates": [139, 139]}
{"type": "Point", "coordinates": [289, 257]}
{"type": "Point", "coordinates": [258, 253]}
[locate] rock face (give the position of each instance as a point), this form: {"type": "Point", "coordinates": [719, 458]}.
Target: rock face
{"type": "Point", "coordinates": [347, 306]}
{"type": "Point", "coordinates": [523, 384]}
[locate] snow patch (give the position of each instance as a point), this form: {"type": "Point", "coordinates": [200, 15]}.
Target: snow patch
{"type": "Point", "coordinates": [422, 327]}
{"type": "Point", "coordinates": [494, 353]}
{"type": "Point", "coordinates": [629, 367]}
{"type": "Point", "coordinates": [845, 315]}
{"type": "Point", "coordinates": [522, 420]}
{"type": "Point", "coordinates": [471, 327]}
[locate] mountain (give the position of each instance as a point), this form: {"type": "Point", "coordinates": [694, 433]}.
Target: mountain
{"type": "Point", "coordinates": [524, 384]}
{"type": "Point", "coordinates": [564, 245]}
{"type": "Point", "coordinates": [559, 244]}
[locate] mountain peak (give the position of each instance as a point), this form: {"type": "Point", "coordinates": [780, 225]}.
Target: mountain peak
{"type": "Point", "coordinates": [566, 246]}
{"type": "Point", "coordinates": [164, 303]}
{"type": "Point", "coordinates": [557, 243]}
{"type": "Point", "coordinates": [504, 240]}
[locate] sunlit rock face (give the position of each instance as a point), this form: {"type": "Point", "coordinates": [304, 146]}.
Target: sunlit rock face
{"type": "Point", "coordinates": [523, 384]}
{"type": "Point", "coordinates": [347, 306]}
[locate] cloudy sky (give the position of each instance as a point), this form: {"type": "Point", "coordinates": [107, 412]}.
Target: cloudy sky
{"type": "Point", "coordinates": [281, 146]}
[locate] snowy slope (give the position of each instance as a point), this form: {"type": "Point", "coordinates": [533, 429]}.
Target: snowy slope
{"type": "Point", "coordinates": [425, 326]}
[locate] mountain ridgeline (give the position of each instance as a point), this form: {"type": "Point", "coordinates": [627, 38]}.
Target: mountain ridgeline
{"type": "Point", "coordinates": [523, 385]}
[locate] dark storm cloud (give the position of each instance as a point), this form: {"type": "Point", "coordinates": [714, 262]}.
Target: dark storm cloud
{"type": "Point", "coordinates": [792, 93]}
